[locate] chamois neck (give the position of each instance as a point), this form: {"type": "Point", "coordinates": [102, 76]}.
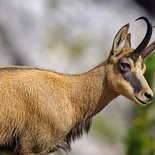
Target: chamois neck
{"type": "Point", "coordinates": [90, 91]}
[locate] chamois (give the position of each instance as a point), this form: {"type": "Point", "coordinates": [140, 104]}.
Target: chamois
{"type": "Point", "coordinates": [43, 111]}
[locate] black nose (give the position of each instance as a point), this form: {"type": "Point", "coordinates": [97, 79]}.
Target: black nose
{"type": "Point", "coordinates": [148, 96]}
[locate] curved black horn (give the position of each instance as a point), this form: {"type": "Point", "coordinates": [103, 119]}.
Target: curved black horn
{"type": "Point", "coordinates": [138, 51]}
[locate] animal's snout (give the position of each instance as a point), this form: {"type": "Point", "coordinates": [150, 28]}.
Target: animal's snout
{"type": "Point", "coordinates": [148, 96]}
{"type": "Point", "coordinates": [144, 97]}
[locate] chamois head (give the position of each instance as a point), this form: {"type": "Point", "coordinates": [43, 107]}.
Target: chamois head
{"type": "Point", "coordinates": [126, 65]}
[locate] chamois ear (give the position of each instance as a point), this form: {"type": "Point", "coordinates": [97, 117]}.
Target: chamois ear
{"type": "Point", "coordinates": [121, 40]}
{"type": "Point", "coordinates": [128, 41]}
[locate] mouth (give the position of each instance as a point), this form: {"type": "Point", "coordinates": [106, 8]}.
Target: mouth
{"type": "Point", "coordinates": [142, 102]}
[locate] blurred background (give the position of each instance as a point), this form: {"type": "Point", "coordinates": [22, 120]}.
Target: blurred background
{"type": "Point", "coordinates": [73, 36]}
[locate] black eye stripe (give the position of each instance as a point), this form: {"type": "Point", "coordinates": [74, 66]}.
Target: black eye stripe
{"type": "Point", "coordinates": [132, 79]}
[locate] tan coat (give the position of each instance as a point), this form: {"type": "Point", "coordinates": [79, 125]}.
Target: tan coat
{"type": "Point", "coordinates": [42, 111]}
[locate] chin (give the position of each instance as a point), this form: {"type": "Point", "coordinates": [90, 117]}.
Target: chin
{"type": "Point", "coordinates": [140, 102]}
{"type": "Point", "coordinates": [137, 100]}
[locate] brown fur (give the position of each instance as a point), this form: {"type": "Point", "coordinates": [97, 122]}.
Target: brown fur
{"type": "Point", "coordinates": [43, 111]}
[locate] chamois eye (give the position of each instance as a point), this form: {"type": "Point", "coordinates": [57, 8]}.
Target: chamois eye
{"type": "Point", "coordinates": [124, 66]}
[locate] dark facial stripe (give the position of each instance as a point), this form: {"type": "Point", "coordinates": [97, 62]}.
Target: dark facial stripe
{"type": "Point", "coordinates": [132, 79]}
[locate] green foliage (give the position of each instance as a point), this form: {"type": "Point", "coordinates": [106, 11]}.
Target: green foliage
{"type": "Point", "coordinates": [140, 139]}
{"type": "Point", "coordinates": [150, 63]}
